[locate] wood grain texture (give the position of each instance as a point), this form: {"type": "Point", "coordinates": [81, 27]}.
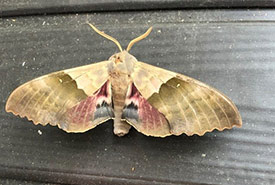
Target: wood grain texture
{"type": "Point", "coordinates": [230, 50]}
{"type": "Point", "coordinates": [22, 182]}
{"type": "Point", "coordinates": [32, 7]}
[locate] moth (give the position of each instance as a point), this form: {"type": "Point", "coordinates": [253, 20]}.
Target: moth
{"type": "Point", "coordinates": [155, 101]}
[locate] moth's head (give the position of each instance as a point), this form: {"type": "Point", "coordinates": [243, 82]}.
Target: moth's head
{"type": "Point", "coordinates": [123, 62]}
{"type": "Point", "coordinates": [122, 57]}
{"type": "Point", "coordinates": [123, 54]}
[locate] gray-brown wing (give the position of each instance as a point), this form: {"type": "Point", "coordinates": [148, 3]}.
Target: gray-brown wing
{"type": "Point", "coordinates": [189, 106]}
{"type": "Point", "coordinates": [75, 99]}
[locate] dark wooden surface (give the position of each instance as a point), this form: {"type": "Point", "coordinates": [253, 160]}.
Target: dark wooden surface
{"type": "Point", "coordinates": [232, 50]}
{"type": "Point", "coordinates": [32, 7]}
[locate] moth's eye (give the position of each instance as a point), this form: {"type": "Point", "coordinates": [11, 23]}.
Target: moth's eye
{"type": "Point", "coordinates": [117, 59]}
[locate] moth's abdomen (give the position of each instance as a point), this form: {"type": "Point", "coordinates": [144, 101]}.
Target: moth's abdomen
{"type": "Point", "coordinates": [120, 85]}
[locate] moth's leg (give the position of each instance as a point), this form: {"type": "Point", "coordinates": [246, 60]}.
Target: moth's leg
{"type": "Point", "coordinates": [121, 128]}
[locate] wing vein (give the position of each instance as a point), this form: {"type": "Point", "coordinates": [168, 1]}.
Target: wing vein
{"type": "Point", "coordinates": [190, 105]}
{"type": "Point", "coordinates": [28, 102]}
{"type": "Point", "coordinates": [212, 109]}
{"type": "Point", "coordinates": [223, 112]}
{"type": "Point", "coordinates": [87, 111]}
{"type": "Point", "coordinates": [38, 99]}
{"type": "Point", "coordinates": [201, 108]}
{"type": "Point", "coordinates": [18, 102]}
{"type": "Point", "coordinates": [161, 100]}
{"type": "Point", "coordinates": [80, 113]}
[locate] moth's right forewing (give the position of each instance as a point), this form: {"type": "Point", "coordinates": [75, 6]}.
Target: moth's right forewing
{"type": "Point", "coordinates": [148, 79]}
{"type": "Point", "coordinates": [190, 106]}
{"type": "Point", "coordinates": [63, 98]}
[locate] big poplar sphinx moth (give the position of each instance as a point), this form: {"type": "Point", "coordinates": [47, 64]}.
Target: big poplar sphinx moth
{"type": "Point", "coordinates": [155, 101]}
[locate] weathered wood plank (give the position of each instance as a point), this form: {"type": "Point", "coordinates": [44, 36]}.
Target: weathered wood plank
{"type": "Point", "coordinates": [16, 8]}
{"type": "Point", "coordinates": [233, 54]}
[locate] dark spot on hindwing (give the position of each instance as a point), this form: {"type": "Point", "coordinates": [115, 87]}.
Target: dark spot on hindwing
{"type": "Point", "coordinates": [130, 112]}
{"type": "Point", "coordinates": [103, 104]}
{"type": "Point", "coordinates": [132, 106]}
{"type": "Point", "coordinates": [103, 110]}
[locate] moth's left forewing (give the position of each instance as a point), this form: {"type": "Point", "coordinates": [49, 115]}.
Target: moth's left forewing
{"type": "Point", "coordinates": [75, 100]}
{"type": "Point", "coordinates": [188, 105]}
{"type": "Point", "coordinates": [89, 77]}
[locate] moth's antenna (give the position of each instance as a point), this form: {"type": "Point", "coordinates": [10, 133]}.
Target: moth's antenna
{"type": "Point", "coordinates": [106, 36]}
{"type": "Point", "coordinates": [138, 39]}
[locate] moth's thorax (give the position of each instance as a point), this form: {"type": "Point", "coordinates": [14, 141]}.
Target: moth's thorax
{"type": "Point", "coordinates": [120, 68]}
{"type": "Point", "coordinates": [122, 62]}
